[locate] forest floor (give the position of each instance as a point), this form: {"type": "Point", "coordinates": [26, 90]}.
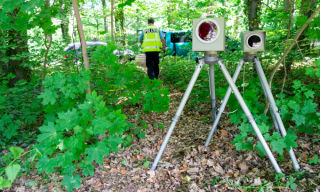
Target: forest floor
{"type": "Point", "coordinates": [186, 165]}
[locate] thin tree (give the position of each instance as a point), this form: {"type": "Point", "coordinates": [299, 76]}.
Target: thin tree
{"type": "Point", "coordinates": [112, 20]}
{"type": "Point", "coordinates": [82, 39]}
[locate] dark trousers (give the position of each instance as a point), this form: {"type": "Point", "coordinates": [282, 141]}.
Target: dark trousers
{"type": "Point", "coordinates": [152, 62]}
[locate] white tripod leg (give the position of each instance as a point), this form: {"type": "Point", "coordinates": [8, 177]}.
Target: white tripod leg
{"type": "Point", "coordinates": [274, 109]}
{"type": "Point", "coordinates": [178, 113]}
{"type": "Point", "coordinates": [212, 92]}
{"type": "Point", "coordinates": [224, 103]}
{"type": "Point", "coordinates": [249, 116]}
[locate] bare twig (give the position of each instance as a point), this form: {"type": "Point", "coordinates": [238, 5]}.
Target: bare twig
{"type": "Point", "coordinates": [270, 7]}
{"type": "Point", "coordinates": [292, 44]}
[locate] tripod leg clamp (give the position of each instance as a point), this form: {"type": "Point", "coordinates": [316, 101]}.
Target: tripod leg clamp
{"type": "Point", "coordinates": [175, 118]}
{"type": "Point", "coordinates": [250, 118]}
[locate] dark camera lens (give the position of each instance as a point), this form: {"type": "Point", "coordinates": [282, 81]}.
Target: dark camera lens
{"type": "Point", "coordinates": [208, 31]}
{"type": "Point", "coordinates": [254, 41]}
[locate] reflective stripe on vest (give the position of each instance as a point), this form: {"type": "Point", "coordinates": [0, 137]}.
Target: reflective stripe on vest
{"type": "Point", "coordinates": [151, 40]}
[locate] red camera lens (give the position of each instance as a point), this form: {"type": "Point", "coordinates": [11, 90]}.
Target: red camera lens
{"type": "Point", "coordinates": [208, 31]}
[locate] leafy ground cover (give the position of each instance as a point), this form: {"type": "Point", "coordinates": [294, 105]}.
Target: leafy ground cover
{"type": "Point", "coordinates": [186, 165]}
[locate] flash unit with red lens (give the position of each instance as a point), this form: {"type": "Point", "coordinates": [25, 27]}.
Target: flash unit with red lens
{"type": "Point", "coordinates": [208, 34]}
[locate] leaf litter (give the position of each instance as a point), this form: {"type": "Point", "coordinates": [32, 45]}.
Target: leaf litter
{"type": "Point", "coordinates": [185, 165]}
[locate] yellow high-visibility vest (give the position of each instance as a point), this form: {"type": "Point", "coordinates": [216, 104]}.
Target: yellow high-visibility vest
{"type": "Point", "coordinates": [151, 40]}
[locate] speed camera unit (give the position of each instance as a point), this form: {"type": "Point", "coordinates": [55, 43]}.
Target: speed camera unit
{"type": "Point", "coordinates": [208, 34]}
{"type": "Point", "coordinates": [253, 41]}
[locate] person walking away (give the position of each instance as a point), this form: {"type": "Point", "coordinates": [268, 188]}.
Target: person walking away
{"type": "Point", "coordinates": [152, 40]}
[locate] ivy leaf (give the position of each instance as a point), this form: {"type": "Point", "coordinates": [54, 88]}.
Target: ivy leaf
{"type": "Point", "coordinates": [300, 119]}
{"type": "Point", "coordinates": [297, 84]}
{"type": "Point", "coordinates": [87, 168]}
{"type": "Point", "coordinates": [10, 131]}
{"type": "Point", "coordinates": [113, 142]}
{"type": "Point", "coordinates": [69, 119]}
{"type": "Point", "coordinates": [48, 96]}
{"type": "Point", "coordinates": [263, 128]}
{"type": "Point", "coordinates": [100, 125]}
{"type": "Point", "coordinates": [4, 183]}
{"type": "Point", "coordinates": [290, 140]}
{"type": "Point", "coordinates": [309, 94]}
{"type": "Point", "coordinates": [59, 80]}
{"type": "Point", "coordinates": [65, 159]}
{"type": "Point", "coordinates": [16, 151]}
{"type": "Point", "coordinates": [278, 143]}
{"type": "Point", "coordinates": [315, 160]}
{"type": "Point", "coordinates": [75, 142]}
{"type": "Point", "coordinates": [49, 133]}
{"type": "Point", "coordinates": [96, 153]}
{"type": "Point", "coordinates": [309, 107]}
{"type": "Point", "coordinates": [71, 181]}
{"type": "Point", "coordinates": [46, 164]}
{"type": "Point", "coordinates": [12, 171]}
{"type": "Point", "coordinates": [68, 170]}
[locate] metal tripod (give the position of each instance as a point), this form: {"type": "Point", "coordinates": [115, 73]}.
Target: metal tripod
{"type": "Point", "coordinates": [211, 59]}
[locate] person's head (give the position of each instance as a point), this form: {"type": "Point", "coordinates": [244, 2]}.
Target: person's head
{"type": "Point", "coordinates": [150, 20]}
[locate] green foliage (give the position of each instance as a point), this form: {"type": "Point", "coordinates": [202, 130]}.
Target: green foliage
{"type": "Point", "coordinates": [19, 110]}
{"type": "Point", "coordinates": [315, 160]}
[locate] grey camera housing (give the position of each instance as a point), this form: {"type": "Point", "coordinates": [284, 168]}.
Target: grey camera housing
{"type": "Point", "coordinates": [218, 44]}
{"type": "Point", "coordinates": [244, 41]}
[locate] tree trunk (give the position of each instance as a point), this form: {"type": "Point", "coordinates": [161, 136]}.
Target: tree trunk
{"type": "Point", "coordinates": [83, 40]}
{"type": "Point", "coordinates": [112, 38]}
{"type": "Point", "coordinates": [253, 9]}
{"type": "Point", "coordinates": [15, 64]}
{"type": "Point", "coordinates": [104, 15]}
{"type": "Point", "coordinates": [138, 24]}
{"type": "Point", "coordinates": [64, 9]}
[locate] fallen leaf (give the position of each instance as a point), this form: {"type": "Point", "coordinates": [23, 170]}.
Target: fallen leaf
{"type": "Point", "coordinates": [236, 174]}
{"type": "Point", "coordinates": [210, 163]}
{"type": "Point", "coordinates": [219, 169]}
{"type": "Point", "coordinates": [257, 182]}
{"type": "Point", "coordinates": [217, 153]}
{"type": "Point", "coordinates": [123, 172]}
{"type": "Point", "coordinates": [203, 161]}
{"type": "Point", "coordinates": [243, 167]}
{"type": "Point", "coordinates": [193, 170]}
{"type": "Point", "coordinates": [224, 133]}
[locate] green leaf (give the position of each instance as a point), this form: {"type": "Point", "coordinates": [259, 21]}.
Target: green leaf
{"type": "Point", "coordinates": [69, 119]}
{"type": "Point", "coordinates": [96, 153]}
{"type": "Point", "coordinates": [4, 183]}
{"type": "Point", "coordinates": [315, 160]}
{"type": "Point", "coordinates": [49, 133]}
{"type": "Point", "coordinates": [71, 181]}
{"type": "Point", "coordinates": [155, 125]}
{"type": "Point", "coordinates": [100, 125]}
{"type": "Point", "coordinates": [75, 142]}
{"type": "Point", "coordinates": [142, 135]}
{"type": "Point", "coordinates": [260, 148]}
{"type": "Point", "coordinates": [297, 84]}
{"type": "Point", "coordinates": [278, 143]}
{"type": "Point", "coordinates": [300, 119]}
{"type": "Point", "coordinates": [146, 164]}
{"type": "Point", "coordinates": [310, 71]}
{"type": "Point", "coordinates": [290, 140]}
{"type": "Point", "coordinates": [31, 183]}
{"type": "Point", "coordinates": [161, 126]}
{"type": "Point", "coordinates": [293, 186]}
{"type": "Point", "coordinates": [68, 170]}
{"type": "Point", "coordinates": [308, 107]}
{"type": "Point", "coordinates": [11, 131]}
{"type": "Point", "coordinates": [46, 164]}
{"type": "Point", "coordinates": [263, 128]}
{"type": "Point", "coordinates": [16, 151]}
{"type": "Point", "coordinates": [87, 168]}
{"type": "Point", "coordinates": [12, 171]}
{"type": "Point", "coordinates": [309, 94]}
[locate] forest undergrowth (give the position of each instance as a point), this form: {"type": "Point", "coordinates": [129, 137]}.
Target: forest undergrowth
{"type": "Point", "coordinates": [69, 152]}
